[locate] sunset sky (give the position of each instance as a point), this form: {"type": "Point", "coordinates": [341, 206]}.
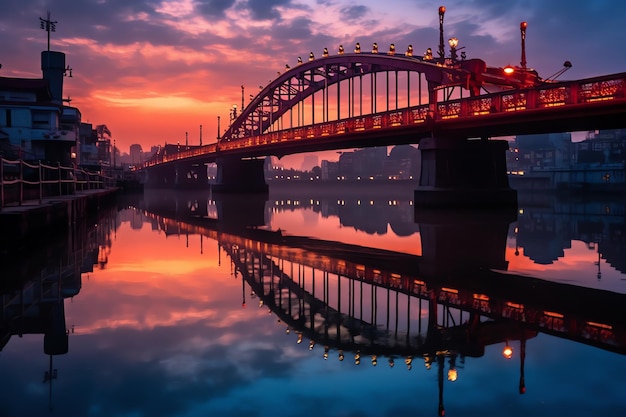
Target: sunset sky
{"type": "Point", "coordinates": [152, 70]}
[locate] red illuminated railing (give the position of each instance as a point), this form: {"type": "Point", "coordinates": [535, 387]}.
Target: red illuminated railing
{"type": "Point", "coordinates": [570, 93]}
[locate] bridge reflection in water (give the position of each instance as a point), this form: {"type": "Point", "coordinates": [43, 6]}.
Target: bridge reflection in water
{"type": "Point", "coordinates": [440, 307]}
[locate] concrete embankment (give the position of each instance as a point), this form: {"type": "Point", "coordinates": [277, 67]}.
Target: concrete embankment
{"type": "Point", "coordinates": [34, 220]}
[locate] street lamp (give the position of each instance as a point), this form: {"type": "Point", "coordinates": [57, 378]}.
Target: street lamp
{"type": "Point", "coordinates": [453, 42]}
{"type": "Point", "coordinates": [442, 12]}
{"type": "Point", "coordinates": [522, 28]}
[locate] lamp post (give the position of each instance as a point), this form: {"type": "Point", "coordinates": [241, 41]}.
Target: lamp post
{"type": "Point", "coordinates": [442, 12]}
{"type": "Point", "coordinates": [522, 28]}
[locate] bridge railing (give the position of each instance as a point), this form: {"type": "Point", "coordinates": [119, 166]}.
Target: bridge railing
{"type": "Point", "coordinates": [161, 158]}
{"type": "Point", "coordinates": [548, 95]}
{"type": "Point", "coordinates": [586, 91]}
{"type": "Point", "coordinates": [394, 118]}
{"type": "Point", "coordinates": [22, 181]}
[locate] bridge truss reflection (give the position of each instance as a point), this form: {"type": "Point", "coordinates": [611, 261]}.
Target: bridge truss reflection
{"type": "Point", "coordinates": [275, 265]}
{"type": "Point", "coordinates": [439, 307]}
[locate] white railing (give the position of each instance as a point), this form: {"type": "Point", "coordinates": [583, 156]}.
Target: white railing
{"type": "Point", "coordinates": [22, 181]}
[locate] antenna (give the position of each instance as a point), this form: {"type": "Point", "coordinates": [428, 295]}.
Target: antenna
{"type": "Point", "coordinates": [49, 26]}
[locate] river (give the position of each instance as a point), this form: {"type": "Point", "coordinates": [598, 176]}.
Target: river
{"type": "Point", "coordinates": [330, 301]}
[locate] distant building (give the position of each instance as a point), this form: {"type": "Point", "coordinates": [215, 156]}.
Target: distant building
{"type": "Point", "coordinates": [362, 163]}
{"type": "Point", "coordinates": [136, 154]}
{"type": "Point", "coordinates": [309, 162]}
{"type": "Point", "coordinates": [402, 163]}
{"type": "Point", "coordinates": [330, 170]}
{"type": "Point", "coordinates": [554, 161]}
{"type": "Point", "coordinates": [602, 147]}
{"type": "Point", "coordinates": [88, 149]}
{"type": "Point", "coordinates": [540, 152]}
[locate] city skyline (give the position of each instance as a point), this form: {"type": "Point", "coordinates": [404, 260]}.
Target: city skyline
{"type": "Point", "coordinates": [156, 72]}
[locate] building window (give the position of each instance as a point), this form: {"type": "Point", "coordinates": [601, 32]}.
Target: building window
{"type": "Point", "coordinates": [41, 120]}
{"type": "Point", "coordinates": [8, 117]}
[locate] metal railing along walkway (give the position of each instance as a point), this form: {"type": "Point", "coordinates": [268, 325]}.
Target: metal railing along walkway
{"type": "Point", "coordinates": [22, 181]}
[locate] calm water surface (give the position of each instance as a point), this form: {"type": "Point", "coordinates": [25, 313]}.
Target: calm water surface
{"type": "Point", "coordinates": [336, 302]}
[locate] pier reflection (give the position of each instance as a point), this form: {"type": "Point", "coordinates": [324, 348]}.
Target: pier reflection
{"type": "Point", "coordinates": [438, 308]}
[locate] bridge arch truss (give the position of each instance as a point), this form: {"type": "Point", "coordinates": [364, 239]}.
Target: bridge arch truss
{"type": "Point", "coordinates": [349, 85]}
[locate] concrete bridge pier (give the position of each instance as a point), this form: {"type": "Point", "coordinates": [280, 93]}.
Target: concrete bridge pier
{"type": "Point", "coordinates": [177, 175]}
{"type": "Point", "coordinates": [464, 173]}
{"type": "Point", "coordinates": [236, 175]}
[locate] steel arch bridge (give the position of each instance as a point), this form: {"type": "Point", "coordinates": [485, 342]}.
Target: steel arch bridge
{"type": "Point", "coordinates": [297, 87]}
{"type": "Point", "coordinates": [439, 103]}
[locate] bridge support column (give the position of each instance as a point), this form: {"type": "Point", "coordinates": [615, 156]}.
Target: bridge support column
{"type": "Point", "coordinates": [178, 175]}
{"type": "Point", "coordinates": [464, 173]}
{"type": "Point", "coordinates": [235, 175]}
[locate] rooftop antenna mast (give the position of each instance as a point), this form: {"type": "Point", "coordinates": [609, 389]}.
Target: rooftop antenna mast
{"type": "Point", "coordinates": [49, 26]}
